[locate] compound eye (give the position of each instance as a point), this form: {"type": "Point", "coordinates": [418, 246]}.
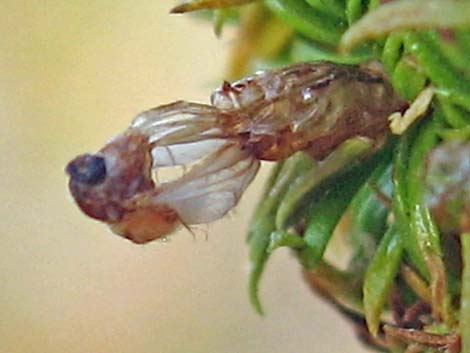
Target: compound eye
{"type": "Point", "coordinates": [87, 169]}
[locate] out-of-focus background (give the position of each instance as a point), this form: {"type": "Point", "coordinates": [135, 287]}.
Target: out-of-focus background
{"type": "Point", "coordinates": [72, 75]}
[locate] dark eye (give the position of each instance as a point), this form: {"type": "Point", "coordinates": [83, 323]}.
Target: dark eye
{"type": "Point", "coordinates": [87, 169]}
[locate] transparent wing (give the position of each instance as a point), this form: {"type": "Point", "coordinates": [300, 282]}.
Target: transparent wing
{"type": "Point", "coordinates": [179, 122]}
{"type": "Point", "coordinates": [212, 188]}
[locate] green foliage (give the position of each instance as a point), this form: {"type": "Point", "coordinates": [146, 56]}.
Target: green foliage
{"type": "Point", "coordinates": [418, 43]}
{"type": "Point", "coordinates": [414, 57]}
{"type": "Point", "coordinates": [380, 276]}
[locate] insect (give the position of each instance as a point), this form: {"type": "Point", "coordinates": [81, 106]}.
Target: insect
{"type": "Point", "coordinates": [310, 107]}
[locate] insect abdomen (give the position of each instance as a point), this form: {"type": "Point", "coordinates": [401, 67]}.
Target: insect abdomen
{"type": "Point", "coordinates": [308, 106]}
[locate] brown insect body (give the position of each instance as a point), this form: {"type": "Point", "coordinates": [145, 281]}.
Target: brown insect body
{"type": "Point", "coordinates": [117, 199]}
{"type": "Point", "coordinates": [311, 107]}
{"type": "Point", "coordinates": [127, 166]}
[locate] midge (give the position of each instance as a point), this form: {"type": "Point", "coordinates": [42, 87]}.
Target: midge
{"type": "Point", "coordinates": [310, 107]}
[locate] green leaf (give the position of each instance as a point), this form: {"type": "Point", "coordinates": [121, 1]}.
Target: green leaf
{"type": "Point", "coordinates": [401, 208]}
{"type": "Point", "coordinates": [392, 51]}
{"type": "Point", "coordinates": [407, 79]}
{"type": "Point", "coordinates": [404, 15]}
{"type": "Point", "coordinates": [318, 26]}
{"type": "Point", "coordinates": [380, 276]}
{"type": "Point", "coordinates": [423, 227]}
{"type": "Point", "coordinates": [262, 224]}
{"type": "Point", "coordinates": [354, 10]}
{"type": "Point", "coordinates": [449, 83]}
{"type": "Point", "coordinates": [282, 238]}
{"type": "Point", "coordinates": [325, 211]}
{"type": "Point", "coordinates": [343, 158]}
{"type": "Point", "coordinates": [369, 213]}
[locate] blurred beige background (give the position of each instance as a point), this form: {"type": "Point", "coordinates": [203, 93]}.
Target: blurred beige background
{"type": "Point", "coordinates": [72, 75]}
